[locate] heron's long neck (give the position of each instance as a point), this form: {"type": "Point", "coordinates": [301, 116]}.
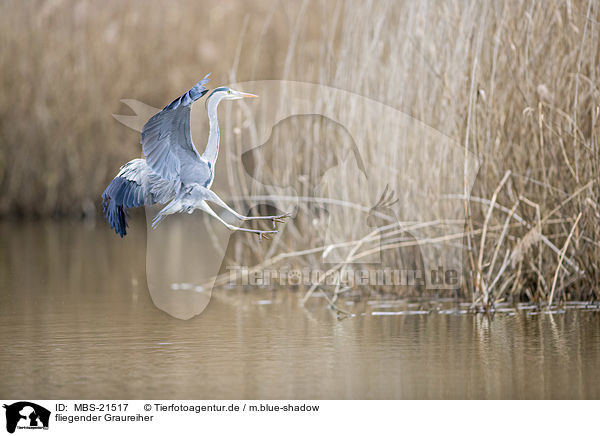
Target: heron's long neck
{"type": "Point", "coordinates": [212, 148]}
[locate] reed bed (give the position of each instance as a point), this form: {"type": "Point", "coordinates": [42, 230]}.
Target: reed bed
{"type": "Point", "coordinates": [514, 83]}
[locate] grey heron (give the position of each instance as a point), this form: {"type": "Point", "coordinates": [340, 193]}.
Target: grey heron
{"type": "Point", "coordinates": [173, 171]}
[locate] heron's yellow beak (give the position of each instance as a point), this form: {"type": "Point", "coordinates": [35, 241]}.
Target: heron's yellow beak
{"type": "Point", "coordinates": [246, 94]}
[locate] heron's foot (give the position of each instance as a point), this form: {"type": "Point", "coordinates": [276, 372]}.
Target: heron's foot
{"type": "Point", "coordinates": [280, 218]}
{"type": "Point", "coordinates": [265, 234]}
{"type": "Point", "coordinates": [274, 218]}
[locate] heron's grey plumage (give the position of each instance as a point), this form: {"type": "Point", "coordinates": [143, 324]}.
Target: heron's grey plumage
{"type": "Point", "coordinates": [188, 199]}
{"type": "Point", "coordinates": [152, 187]}
{"type": "Point", "coordinates": [167, 139]}
{"type": "Point", "coordinates": [173, 170]}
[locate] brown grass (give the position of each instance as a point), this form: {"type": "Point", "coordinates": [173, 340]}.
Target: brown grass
{"type": "Point", "coordinates": [516, 83]}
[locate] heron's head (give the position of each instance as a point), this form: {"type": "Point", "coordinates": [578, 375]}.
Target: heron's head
{"type": "Point", "coordinates": [224, 93]}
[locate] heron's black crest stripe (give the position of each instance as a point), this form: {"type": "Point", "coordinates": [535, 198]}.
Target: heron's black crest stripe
{"type": "Point", "coordinates": [221, 88]}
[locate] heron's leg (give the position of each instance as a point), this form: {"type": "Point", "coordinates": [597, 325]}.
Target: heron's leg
{"type": "Point", "coordinates": [261, 233]}
{"type": "Point", "coordinates": [211, 196]}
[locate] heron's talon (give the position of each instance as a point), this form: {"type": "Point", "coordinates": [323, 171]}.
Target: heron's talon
{"type": "Point", "coordinates": [280, 218]}
{"type": "Point", "coordinates": [265, 234]}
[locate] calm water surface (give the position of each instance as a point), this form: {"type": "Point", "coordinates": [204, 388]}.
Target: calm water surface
{"type": "Point", "coordinates": [76, 321]}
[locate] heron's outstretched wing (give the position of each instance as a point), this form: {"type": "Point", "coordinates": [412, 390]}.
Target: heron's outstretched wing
{"type": "Point", "coordinates": [166, 137]}
{"type": "Point", "coordinates": [154, 189]}
{"type": "Point", "coordinates": [135, 185]}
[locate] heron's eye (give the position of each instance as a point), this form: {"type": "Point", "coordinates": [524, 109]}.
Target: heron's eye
{"type": "Point", "coordinates": [229, 91]}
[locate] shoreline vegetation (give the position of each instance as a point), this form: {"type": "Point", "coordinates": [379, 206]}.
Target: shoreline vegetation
{"type": "Point", "coordinates": [516, 84]}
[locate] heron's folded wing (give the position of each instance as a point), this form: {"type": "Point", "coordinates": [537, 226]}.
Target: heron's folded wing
{"type": "Point", "coordinates": [166, 137]}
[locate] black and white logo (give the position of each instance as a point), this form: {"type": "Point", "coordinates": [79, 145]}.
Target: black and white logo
{"type": "Point", "coordinates": [26, 415]}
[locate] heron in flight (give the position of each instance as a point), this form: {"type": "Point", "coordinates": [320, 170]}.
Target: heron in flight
{"type": "Point", "coordinates": [173, 171]}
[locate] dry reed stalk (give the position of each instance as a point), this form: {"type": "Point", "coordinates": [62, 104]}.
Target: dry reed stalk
{"type": "Point", "coordinates": [501, 239]}
{"type": "Point", "coordinates": [562, 256]}
{"type": "Point", "coordinates": [479, 282]}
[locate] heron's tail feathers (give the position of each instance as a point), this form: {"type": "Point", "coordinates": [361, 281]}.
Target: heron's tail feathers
{"type": "Point", "coordinates": [157, 219]}
{"type": "Point", "coordinates": [118, 196]}
{"type": "Point", "coordinates": [174, 206]}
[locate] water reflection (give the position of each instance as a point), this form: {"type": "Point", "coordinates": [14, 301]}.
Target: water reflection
{"type": "Point", "coordinates": [77, 320]}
